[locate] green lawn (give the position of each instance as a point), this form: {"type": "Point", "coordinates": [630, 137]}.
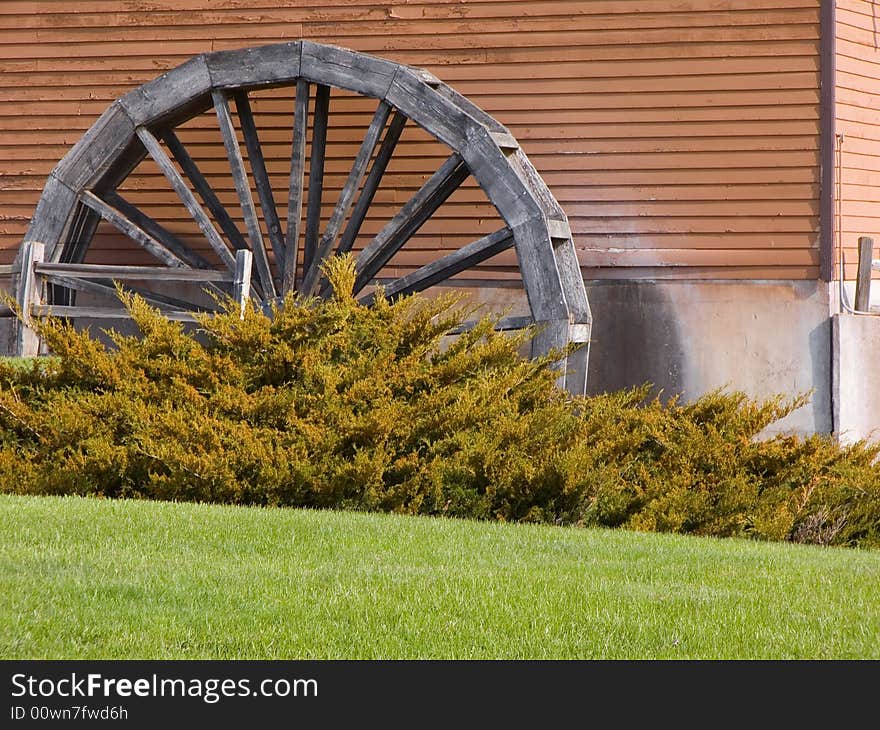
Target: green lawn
{"type": "Point", "coordinates": [93, 579]}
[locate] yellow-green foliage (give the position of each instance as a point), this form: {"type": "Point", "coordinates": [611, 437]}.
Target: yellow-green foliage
{"type": "Point", "coordinates": [336, 405]}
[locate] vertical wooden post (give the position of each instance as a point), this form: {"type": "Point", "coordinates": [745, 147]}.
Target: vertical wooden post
{"type": "Point", "coordinates": [241, 284]}
{"type": "Point", "coordinates": [863, 280]}
{"type": "Point", "coordinates": [29, 294]}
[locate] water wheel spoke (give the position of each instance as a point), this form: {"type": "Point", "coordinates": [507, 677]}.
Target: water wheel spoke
{"type": "Point", "coordinates": [156, 230]}
{"type": "Point", "coordinates": [448, 266]}
{"type": "Point", "coordinates": [127, 226]}
{"type": "Point", "coordinates": [371, 184]}
{"type": "Point", "coordinates": [412, 216]}
{"type": "Point", "coordinates": [243, 188]}
{"type": "Point", "coordinates": [295, 190]}
{"type": "Point", "coordinates": [186, 196]}
{"type": "Point", "coordinates": [316, 174]}
{"type": "Point", "coordinates": [203, 188]}
{"type": "Point", "coordinates": [346, 197]}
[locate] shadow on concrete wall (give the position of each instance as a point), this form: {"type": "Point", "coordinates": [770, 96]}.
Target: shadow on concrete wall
{"type": "Point", "coordinates": [635, 339]}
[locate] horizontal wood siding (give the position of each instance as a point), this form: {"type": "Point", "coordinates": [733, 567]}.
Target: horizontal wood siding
{"type": "Point", "coordinates": [681, 137]}
{"type": "Point", "coordinates": [858, 121]}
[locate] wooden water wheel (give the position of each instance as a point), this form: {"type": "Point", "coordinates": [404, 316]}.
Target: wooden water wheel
{"type": "Point", "coordinates": [85, 189]}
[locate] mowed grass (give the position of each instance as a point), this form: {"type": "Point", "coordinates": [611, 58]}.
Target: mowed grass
{"type": "Point", "coordinates": [85, 578]}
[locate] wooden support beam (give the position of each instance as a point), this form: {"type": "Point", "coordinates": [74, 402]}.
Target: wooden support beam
{"type": "Point", "coordinates": [241, 285]}
{"type": "Point", "coordinates": [106, 289]}
{"type": "Point", "coordinates": [295, 190]}
{"type": "Point", "coordinates": [261, 177]}
{"type": "Point", "coordinates": [447, 266]}
{"type": "Point", "coordinates": [863, 277]}
{"type": "Point", "coordinates": [243, 188]}
{"type": "Point", "coordinates": [316, 174]}
{"type": "Point", "coordinates": [29, 295]}
{"type": "Point", "coordinates": [186, 196]}
{"type": "Point", "coordinates": [505, 324]}
{"type": "Point", "coordinates": [346, 197]}
{"type": "Point", "coordinates": [410, 218]}
{"type": "Point", "coordinates": [144, 273]}
{"type": "Point", "coordinates": [104, 313]}
{"type": "Point", "coordinates": [154, 229]}
{"type": "Point", "coordinates": [203, 188]}
{"type": "Point", "coordinates": [371, 185]}
{"type": "Point", "coordinates": [127, 226]}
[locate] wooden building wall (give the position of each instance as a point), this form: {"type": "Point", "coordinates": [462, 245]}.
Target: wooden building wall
{"type": "Point", "coordinates": [858, 121]}
{"type": "Point", "coordinates": [681, 136]}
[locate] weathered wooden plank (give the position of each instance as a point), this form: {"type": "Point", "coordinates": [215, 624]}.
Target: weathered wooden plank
{"type": "Point", "coordinates": [447, 266]}
{"type": "Point", "coordinates": [467, 106]}
{"type": "Point", "coordinates": [203, 188]}
{"type": "Point", "coordinates": [371, 184]}
{"type": "Point", "coordinates": [29, 295]}
{"type": "Point", "coordinates": [167, 94]}
{"type": "Point", "coordinates": [52, 216]}
{"type": "Point", "coordinates": [185, 194]}
{"type": "Point", "coordinates": [346, 196]}
{"type": "Point", "coordinates": [433, 112]}
{"type": "Point", "coordinates": [156, 230]}
{"type": "Point", "coordinates": [863, 275]}
{"type": "Point", "coordinates": [79, 235]}
{"type": "Point", "coordinates": [241, 284]}
{"type": "Point", "coordinates": [539, 272]}
{"type": "Point", "coordinates": [504, 324]}
{"type": "Point", "coordinates": [505, 189]}
{"type": "Point", "coordinates": [158, 273]}
{"type": "Point", "coordinates": [125, 225]}
{"type": "Point", "coordinates": [243, 188]}
{"type": "Point", "coordinates": [104, 313]}
{"type": "Point", "coordinates": [344, 69]}
{"type": "Point", "coordinates": [295, 190]}
{"type": "Point", "coordinates": [270, 65]}
{"type": "Point", "coordinates": [261, 177]}
{"type": "Point", "coordinates": [101, 288]}
{"type": "Point", "coordinates": [410, 218]}
{"type": "Point", "coordinates": [316, 173]}
{"type": "Point", "coordinates": [97, 149]}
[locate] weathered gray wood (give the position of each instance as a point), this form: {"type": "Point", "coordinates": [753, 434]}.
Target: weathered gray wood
{"type": "Point", "coordinates": [52, 216]}
{"type": "Point", "coordinates": [430, 110]}
{"type": "Point", "coordinates": [343, 204]}
{"type": "Point", "coordinates": [48, 310]}
{"type": "Point", "coordinates": [863, 276]}
{"type": "Point", "coordinates": [295, 190]}
{"type": "Point", "coordinates": [344, 69]}
{"type": "Point", "coordinates": [241, 284]}
{"type": "Point", "coordinates": [102, 288]}
{"type": "Point", "coordinates": [491, 168]}
{"type": "Point", "coordinates": [203, 188]}
{"type": "Point", "coordinates": [130, 229]}
{"type": "Point", "coordinates": [271, 65]}
{"type": "Point", "coordinates": [29, 294]}
{"type": "Point", "coordinates": [316, 173]}
{"type": "Point", "coordinates": [505, 324]}
{"type": "Point", "coordinates": [157, 273]}
{"type": "Point", "coordinates": [97, 149]}
{"type": "Point", "coordinates": [261, 178]}
{"type": "Point", "coordinates": [186, 196]}
{"type": "Point", "coordinates": [447, 266]}
{"type": "Point", "coordinates": [168, 94]}
{"type": "Point", "coordinates": [410, 218]}
{"type": "Point", "coordinates": [243, 188]}
{"type": "Point", "coordinates": [153, 228]}
{"type": "Point", "coordinates": [371, 184]}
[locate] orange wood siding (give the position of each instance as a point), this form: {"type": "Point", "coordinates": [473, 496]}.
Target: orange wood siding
{"type": "Point", "coordinates": [681, 137]}
{"type": "Point", "coordinates": [858, 120]}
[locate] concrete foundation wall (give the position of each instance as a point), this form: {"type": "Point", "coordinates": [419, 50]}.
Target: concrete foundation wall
{"type": "Point", "coordinates": [691, 337]}
{"type": "Point", "coordinates": [856, 386]}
